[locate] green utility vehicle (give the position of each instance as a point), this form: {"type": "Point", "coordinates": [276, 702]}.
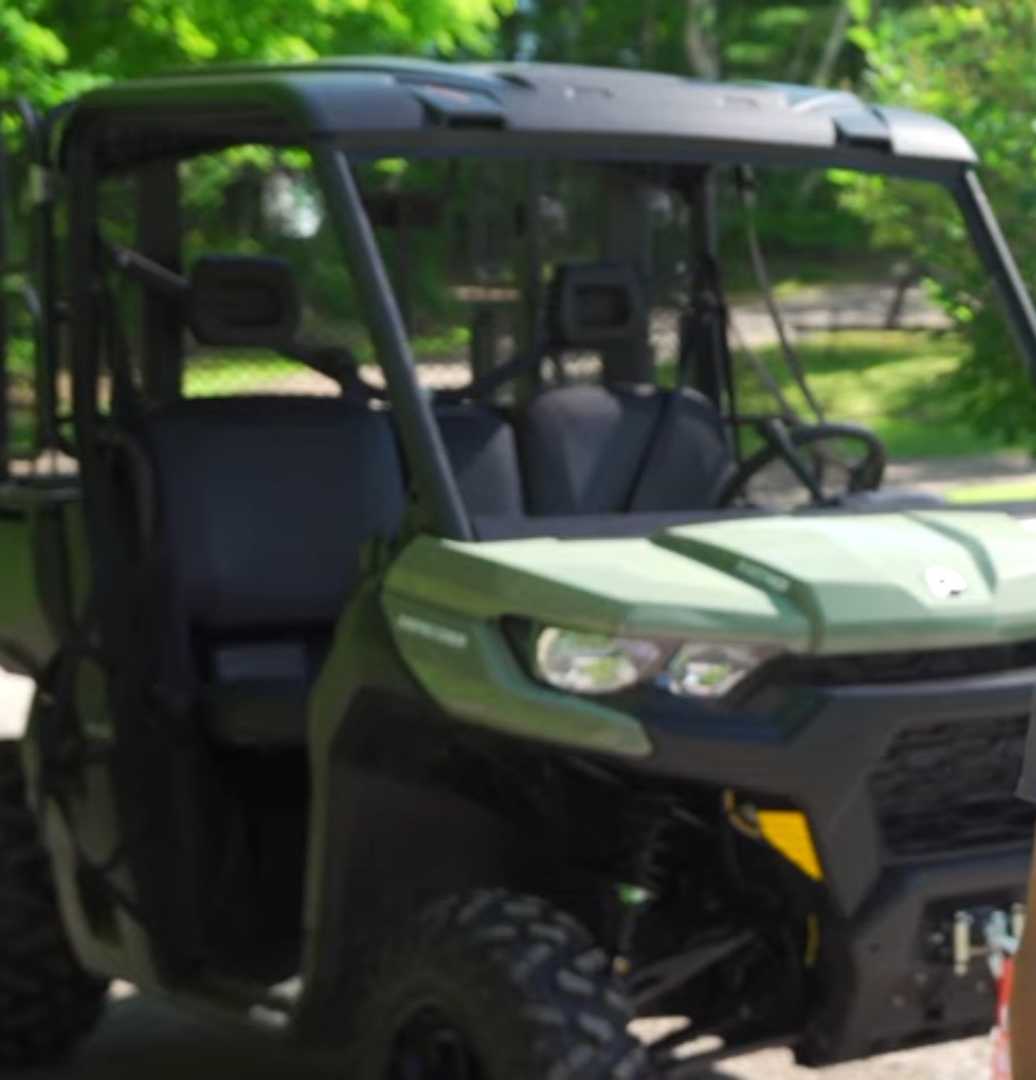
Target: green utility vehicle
{"type": "Point", "coordinates": [429, 667]}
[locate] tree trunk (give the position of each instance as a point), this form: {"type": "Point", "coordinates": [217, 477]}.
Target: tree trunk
{"type": "Point", "coordinates": [703, 50]}
{"type": "Point", "coordinates": [822, 76]}
{"type": "Point", "coordinates": [574, 31]}
{"type": "Point", "coordinates": [803, 49]}
{"type": "Point", "coordinates": [511, 34]}
{"type": "Point", "coordinates": [648, 33]}
{"type": "Point", "coordinates": [832, 51]}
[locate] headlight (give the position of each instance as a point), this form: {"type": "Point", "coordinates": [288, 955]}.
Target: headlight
{"type": "Point", "coordinates": [586, 663]}
{"type": "Point", "coordinates": [595, 663]}
{"type": "Point", "coordinates": [710, 671]}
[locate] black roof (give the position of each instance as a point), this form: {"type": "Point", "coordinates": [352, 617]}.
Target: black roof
{"type": "Point", "coordinates": [380, 102]}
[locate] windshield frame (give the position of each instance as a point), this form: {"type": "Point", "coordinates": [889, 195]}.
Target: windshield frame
{"type": "Point", "coordinates": [651, 149]}
{"type": "Point", "coordinates": [422, 442]}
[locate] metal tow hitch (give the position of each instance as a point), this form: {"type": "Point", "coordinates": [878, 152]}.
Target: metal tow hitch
{"type": "Point", "coordinates": [999, 935]}
{"type": "Point", "coordinates": [986, 934]}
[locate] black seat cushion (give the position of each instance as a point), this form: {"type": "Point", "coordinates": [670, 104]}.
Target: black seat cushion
{"type": "Point", "coordinates": [484, 455]}
{"type": "Point", "coordinates": [593, 450]}
{"type": "Point", "coordinates": [263, 507]}
{"type": "Point", "coordinates": [690, 460]}
{"type": "Point", "coordinates": [266, 502]}
{"type": "Point", "coordinates": [580, 448]}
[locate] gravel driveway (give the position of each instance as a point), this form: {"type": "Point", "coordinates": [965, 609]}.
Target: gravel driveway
{"type": "Point", "coordinates": [145, 1039]}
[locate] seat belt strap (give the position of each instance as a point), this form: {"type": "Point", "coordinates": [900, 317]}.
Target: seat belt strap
{"type": "Point", "coordinates": [652, 456]}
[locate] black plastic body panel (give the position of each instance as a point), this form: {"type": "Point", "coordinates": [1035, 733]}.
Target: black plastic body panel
{"type": "Point", "coordinates": [893, 986]}
{"type": "Point", "coordinates": [819, 749]}
{"type": "Point", "coordinates": [378, 96]}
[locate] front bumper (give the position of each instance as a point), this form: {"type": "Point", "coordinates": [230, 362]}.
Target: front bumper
{"type": "Point", "coordinates": [909, 789]}
{"type": "Point", "coordinates": [892, 981]}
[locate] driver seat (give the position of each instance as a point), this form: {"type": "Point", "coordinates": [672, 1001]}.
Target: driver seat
{"type": "Point", "coordinates": [610, 450]}
{"type": "Point", "coordinates": [624, 446]}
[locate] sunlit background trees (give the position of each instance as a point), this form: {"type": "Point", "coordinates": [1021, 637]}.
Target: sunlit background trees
{"type": "Point", "coordinates": [967, 61]}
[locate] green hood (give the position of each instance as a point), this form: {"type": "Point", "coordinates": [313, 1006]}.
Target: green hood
{"type": "Point", "coordinates": [825, 583]}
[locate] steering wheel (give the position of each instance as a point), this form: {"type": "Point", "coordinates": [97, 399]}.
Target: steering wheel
{"type": "Point", "coordinates": [811, 452]}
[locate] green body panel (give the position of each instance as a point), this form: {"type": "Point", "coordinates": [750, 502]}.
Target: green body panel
{"type": "Point", "coordinates": [860, 580]}
{"type": "Point", "coordinates": [632, 586]}
{"type": "Point", "coordinates": [23, 629]}
{"type": "Point", "coordinates": [467, 665]}
{"type": "Point", "coordinates": [819, 583]}
{"type": "Point", "coordinates": [42, 570]}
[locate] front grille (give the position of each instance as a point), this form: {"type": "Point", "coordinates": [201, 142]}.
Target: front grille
{"type": "Point", "coordinates": [899, 667]}
{"type": "Point", "coordinates": [950, 786]}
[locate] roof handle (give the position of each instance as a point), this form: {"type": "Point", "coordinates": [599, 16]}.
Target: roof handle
{"type": "Point", "coordinates": [452, 107]}
{"type": "Point", "coordinates": [864, 129]}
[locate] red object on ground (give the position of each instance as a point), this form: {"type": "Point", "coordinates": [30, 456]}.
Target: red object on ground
{"type": "Point", "coordinates": [1002, 1031]}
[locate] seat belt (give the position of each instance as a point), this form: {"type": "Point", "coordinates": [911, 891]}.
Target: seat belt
{"type": "Point", "coordinates": [480, 388]}
{"type": "Point", "coordinates": [706, 346]}
{"type": "Point", "coordinates": [652, 454]}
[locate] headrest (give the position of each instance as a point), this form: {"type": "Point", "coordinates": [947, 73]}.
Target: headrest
{"type": "Point", "coordinates": [248, 301]}
{"type": "Point", "coordinates": [593, 305]}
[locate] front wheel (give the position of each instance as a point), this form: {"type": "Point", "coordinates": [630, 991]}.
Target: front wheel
{"type": "Point", "coordinates": [47, 1002]}
{"type": "Point", "coordinates": [493, 986]}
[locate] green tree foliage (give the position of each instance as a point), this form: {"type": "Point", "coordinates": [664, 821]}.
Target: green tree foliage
{"type": "Point", "coordinates": [801, 41]}
{"type": "Point", "coordinates": [971, 64]}
{"type": "Point", "coordinates": [804, 41]}
{"type": "Point", "coordinates": [53, 47]}
{"type": "Point", "coordinates": [36, 59]}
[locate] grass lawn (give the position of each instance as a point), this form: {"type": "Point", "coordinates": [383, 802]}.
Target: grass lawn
{"type": "Point", "coordinates": [210, 374]}
{"type": "Point", "coordinates": [246, 373]}
{"type": "Point", "coordinates": [891, 381]}
{"type": "Point", "coordinates": [793, 271]}
{"type": "Point", "coordinates": [1020, 491]}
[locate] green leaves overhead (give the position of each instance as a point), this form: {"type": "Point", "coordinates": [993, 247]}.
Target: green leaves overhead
{"type": "Point", "coordinates": [31, 51]}
{"type": "Point", "coordinates": [970, 63]}
{"type": "Point", "coordinates": [784, 41]}
{"type": "Point", "coordinates": [51, 49]}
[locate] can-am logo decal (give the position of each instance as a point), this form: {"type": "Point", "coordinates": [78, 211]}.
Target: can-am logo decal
{"type": "Point", "coordinates": [945, 582]}
{"type": "Point", "coordinates": [441, 635]}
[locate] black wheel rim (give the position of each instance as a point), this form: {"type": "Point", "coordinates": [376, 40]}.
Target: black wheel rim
{"type": "Point", "coordinates": [429, 1046]}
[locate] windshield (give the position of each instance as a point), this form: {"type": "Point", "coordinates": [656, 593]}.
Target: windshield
{"type": "Point", "coordinates": [811, 341]}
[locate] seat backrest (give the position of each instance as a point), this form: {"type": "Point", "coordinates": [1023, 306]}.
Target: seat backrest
{"type": "Point", "coordinates": [265, 503]}
{"type": "Point", "coordinates": [484, 456]}
{"type": "Point", "coordinates": [593, 450]}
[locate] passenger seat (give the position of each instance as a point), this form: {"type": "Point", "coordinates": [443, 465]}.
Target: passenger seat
{"type": "Point", "coordinates": [263, 507]}
{"type": "Point", "coordinates": [483, 452]}
{"type": "Point", "coordinates": [596, 450]}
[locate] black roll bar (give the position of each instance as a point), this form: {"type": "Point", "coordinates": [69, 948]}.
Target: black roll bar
{"type": "Point", "coordinates": [39, 291]}
{"type": "Point", "coordinates": [998, 260]}
{"type": "Point", "coordinates": [418, 431]}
